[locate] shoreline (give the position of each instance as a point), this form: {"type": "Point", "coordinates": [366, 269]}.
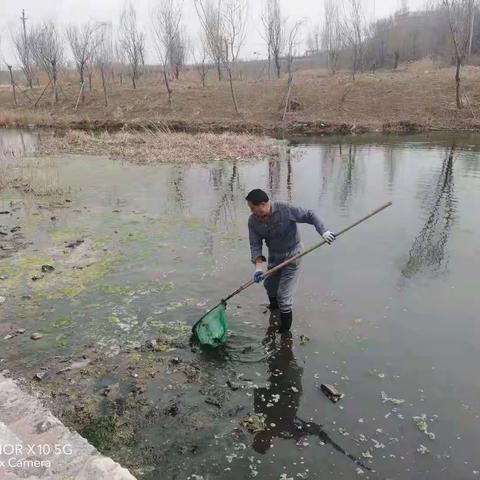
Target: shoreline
{"type": "Point", "coordinates": [275, 130]}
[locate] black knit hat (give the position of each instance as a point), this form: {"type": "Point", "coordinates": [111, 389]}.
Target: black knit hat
{"type": "Point", "coordinates": [257, 197]}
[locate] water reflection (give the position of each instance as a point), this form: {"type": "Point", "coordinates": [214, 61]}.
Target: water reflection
{"type": "Point", "coordinates": [349, 176]}
{"type": "Point", "coordinates": [280, 400]}
{"type": "Point", "coordinates": [329, 155]}
{"type": "Point", "coordinates": [390, 166]}
{"type": "Point", "coordinates": [429, 249]}
{"type": "Point", "coordinates": [176, 192]}
{"type": "Point", "coordinates": [227, 198]}
{"type": "Point", "coordinates": [16, 143]}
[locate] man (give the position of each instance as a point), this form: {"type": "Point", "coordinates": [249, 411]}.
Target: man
{"type": "Point", "coordinates": [276, 223]}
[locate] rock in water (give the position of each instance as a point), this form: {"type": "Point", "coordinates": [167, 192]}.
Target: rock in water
{"type": "Point", "coordinates": [331, 392]}
{"type": "Point", "coordinates": [36, 336]}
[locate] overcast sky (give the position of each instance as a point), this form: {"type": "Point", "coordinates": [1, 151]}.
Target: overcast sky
{"type": "Point", "coordinates": [65, 12]}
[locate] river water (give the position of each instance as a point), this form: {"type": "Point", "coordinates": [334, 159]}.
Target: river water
{"type": "Point", "coordinates": [390, 312]}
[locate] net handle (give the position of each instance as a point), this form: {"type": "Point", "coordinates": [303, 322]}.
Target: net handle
{"type": "Point", "coordinates": [275, 269]}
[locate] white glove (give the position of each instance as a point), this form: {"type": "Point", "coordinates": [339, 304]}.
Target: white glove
{"type": "Point", "coordinates": [258, 275]}
{"type": "Point", "coordinates": [328, 236]}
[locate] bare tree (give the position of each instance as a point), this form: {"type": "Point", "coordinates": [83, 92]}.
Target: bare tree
{"type": "Point", "coordinates": [47, 52]}
{"type": "Point", "coordinates": [313, 40]}
{"type": "Point", "coordinates": [274, 33]}
{"type": "Point", "coordinates": [292, 42]}
{"type": "Point", "coordinates": [119, 60]}
{"type": "Point", "coordinates": [22, 41]}
{"type": "Point", "coordinates": [354, 31]}
{"type": "Point", "coordinates": [234, 31]}
{"type": "Point", "coordinates": [201, 63]}
{"type": "Point", "coordinates": [9, 67]}
{"type": "Point", "coordinates": [84, 40]}
{"type": "Point", "coordinates": [332, 41]}
{"type": "Point", "coordinates": [178, 52]}
{"type": "Point", "coordinates": [166, 20]}
{"type": "Point", "coordinates": [132, 42]}
{"type": "Point", "coordinates": [459, 16]}
{"type": "Point", "coordinates": [210, 17]}
{"type": "Point", "coordinates": [104, 55]}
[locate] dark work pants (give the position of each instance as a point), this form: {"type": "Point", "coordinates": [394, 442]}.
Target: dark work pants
{"type": "Point", "coordinates": [283, 284]}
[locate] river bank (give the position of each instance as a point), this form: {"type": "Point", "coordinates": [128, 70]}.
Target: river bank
{"type": "Point", "coordinates": [418, 97]}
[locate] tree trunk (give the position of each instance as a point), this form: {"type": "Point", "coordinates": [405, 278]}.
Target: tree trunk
{"type": "Point", "coordinates": [90, 81]}
{"type": "Point", "coordinates": [397, 58]}
{"type": "Point", "coordinates": [219, 69]}
{"type": "Point", "coordinates": [54, 76]}
{"type": "Point", "coordinates": [354, 63]}
{"type": "Point", "coordinates": [133, 82]}
{"type": "Point", "coordinates": [82, 78]}
{"type": "Point", "coordinates": [104, 87]}
{"type": "Point", "coordinates": [277, 65]}
{"type": "Point", "coordinates": [232, 90]}
{"type": "Point", "coordinates": [13, 84]}
{"type": "Point", "coordinates": [167, 86]}
{"type": "Point", "coordinates": [457, 82]}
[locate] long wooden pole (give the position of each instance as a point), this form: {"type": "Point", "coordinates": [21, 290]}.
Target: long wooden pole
{"type": "Point", "coordinates": [293, 259]}
{"type": "Point", "coordinates": [79, 94]}
{"type": "Point", "coordinates": [41, 95]}
{"type": "Point", "coordinates": [308, 250]}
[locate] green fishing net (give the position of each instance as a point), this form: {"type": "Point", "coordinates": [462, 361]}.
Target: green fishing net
{"type": "Point", "coordinates": [211, 330]}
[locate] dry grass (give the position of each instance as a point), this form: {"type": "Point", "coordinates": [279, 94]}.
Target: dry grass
{"type": "Point", "coordinates": [36, 176]}
{"type": "Point", "coordinates": [20, 118]}
{"type": "Point", "coordinates": [419, 93]}
{"type": "Point", "coordinates": [152, 147]}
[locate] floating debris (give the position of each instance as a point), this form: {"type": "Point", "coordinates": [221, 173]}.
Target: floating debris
{"type": "Point", "coordinates": [377, 444]}
{"type": "Point", "coordinates": [396, 401]}
{"type": "Point", "coordinates": [304, 339]}
{"type": "Point", "coordinates": [421, 423]}
{"type": "Point", "coordinates": [422, 449]}
{"type": "Point", "coordinates": [253, 423]}
{"type": "Point", "coordinates": [47, 268]}
{"type": "Point", "coordinates": [214, 402]}
{"type": "Point", "coordinates": [36, 336]}
{"type": "Point", "coordinates": [331, 392]}
{"type": "Point", "coordinates": [232, 385]}
{"type": "Point", "coordinates": [2, 300]}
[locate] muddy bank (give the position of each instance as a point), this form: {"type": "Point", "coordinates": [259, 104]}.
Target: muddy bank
{"type": "Point", "coordinates": [271, 129]}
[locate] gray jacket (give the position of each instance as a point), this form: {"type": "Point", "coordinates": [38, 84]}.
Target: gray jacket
{"type": "Point", "coordinates": [280, 231]}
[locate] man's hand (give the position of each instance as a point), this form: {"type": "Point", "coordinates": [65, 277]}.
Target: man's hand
{"type": "Point", "coordinates": [329, 237]}
{"type": "Point", "coordinates": [258, 275]}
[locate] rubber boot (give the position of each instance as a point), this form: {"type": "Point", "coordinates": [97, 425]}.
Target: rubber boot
{"type": "Point", "coordinates": [285, 322]}
{"type": "Point", "coordinates": [273, 303]}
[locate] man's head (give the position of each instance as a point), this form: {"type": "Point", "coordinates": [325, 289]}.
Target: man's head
{"type": "Point", "coordinates": [259, 203]}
